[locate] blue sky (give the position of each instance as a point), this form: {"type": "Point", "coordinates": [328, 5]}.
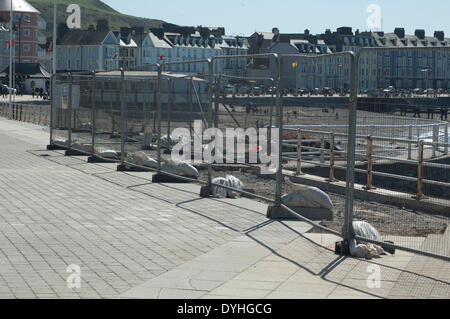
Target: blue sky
{"type": "Point", "coordinates": [246, 16]}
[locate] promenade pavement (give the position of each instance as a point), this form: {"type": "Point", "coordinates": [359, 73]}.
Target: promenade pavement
{"type": "Point", "coordinates": [134, 239]}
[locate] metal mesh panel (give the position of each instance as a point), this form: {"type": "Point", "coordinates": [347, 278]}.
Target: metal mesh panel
{"type": "Point", "coordinates": [61, 115]}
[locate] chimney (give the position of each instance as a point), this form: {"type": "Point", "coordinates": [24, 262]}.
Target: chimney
{"type": "Point", "coordinates": [439, 35]}
{"type": "Point", "coordinates": [420, 33]}
{"type": "Point", "coordinates": [306, 32]}
{"type": "Point", "coordinates": [400, 32]}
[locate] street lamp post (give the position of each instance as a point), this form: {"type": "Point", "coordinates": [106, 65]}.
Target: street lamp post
{"type": "Point", "coordinates": [10, 58]}
{"type": "Point", "coordinates": [54, 39]}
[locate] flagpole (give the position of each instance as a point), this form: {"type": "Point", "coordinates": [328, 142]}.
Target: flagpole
{"type": "Point", "coordinates": [10, 59]}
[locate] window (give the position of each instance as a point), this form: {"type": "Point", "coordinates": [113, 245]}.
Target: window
{"type": "Point", "coordinates": [26, 32]}
{"type": "Point", "coordinates": [68, 64]}
{"type": "Point", "coordinates": [26, 18]}
{"type": "Point", "coordinates": [26, 48]}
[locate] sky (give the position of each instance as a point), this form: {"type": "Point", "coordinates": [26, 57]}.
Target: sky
{"type": "Point", "coordinates": [243, 17]}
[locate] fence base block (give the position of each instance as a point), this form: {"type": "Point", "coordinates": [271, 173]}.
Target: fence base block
{"type": "Point", "coordinates": [162, 178]}
{"type": "Point", "coordinates": [342, 248]}
{"type": "Point", "coordinates": [126, 168]}
{"type": "Point", "coordinates": [97, 159]}
{"type": "Point", "coordinates": [205, 192]}
{"type": "Point", "coordinates": [314, 214]}
{"type": "Point", "coordinates": [54, 147]}
{"type": "Point", "coordinates": [75, 153]}
{"type": "Point", "coordinates": [147, 148]}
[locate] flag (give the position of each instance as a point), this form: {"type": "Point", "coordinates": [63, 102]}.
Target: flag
{"type": "Point", "coordinates": [49, 47]}
{"type": "Point", "coordinates": [161, 58]}
{"type": "Point", "coordinates": [295, 64]}
{"type": "Point", "coordinates": [115, 56]}
{"type": "Point", "coordinates": [9, 43]}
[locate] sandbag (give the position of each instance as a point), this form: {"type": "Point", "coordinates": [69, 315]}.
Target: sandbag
{"type": "Point", "coordinates": [180, 168]}
{"type": "Point", "coordinates": [296, 200]}
{"type": "Point", "coordinates": [220, 192]}
{"type": "Point", "coordinates": [313, 194]}
{"type": "Point", "coordinates": [174, 140]}
{"type": "Point", "coordinates": [366, 230]}
{"type": "Point", "coordinates": [142, 159]}
{"type": "Point", "coordinates": [61, 142]}
{"type": "Point", "coordinates": [362, 250]}
{"type": "Point", "coordinates": [229, 181]}
{"type": "Point", "coordinates": [109, 154]}
{"type": "Point", "coordinates": [76, 145]}
{"type": "Point", "coordinates": [187, 169]}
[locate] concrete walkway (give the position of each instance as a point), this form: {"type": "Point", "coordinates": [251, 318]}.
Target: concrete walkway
{"type": "Point", "coordinates": [134, 239]}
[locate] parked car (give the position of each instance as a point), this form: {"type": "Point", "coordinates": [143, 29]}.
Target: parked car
{"type": "Point", "coordinates": [257, 91]}
{"type": "Point", "coordinates": [229, 89]}
{"type": "Point", "coordinates": [326, 91]}
{"type": "Point", "coordinates": [244, 90]}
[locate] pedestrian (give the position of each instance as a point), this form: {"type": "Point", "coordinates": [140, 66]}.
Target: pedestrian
{"type": "Point", "coordinates": [32, 92]}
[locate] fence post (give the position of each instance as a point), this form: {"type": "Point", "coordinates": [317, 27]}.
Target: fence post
{"type": "Point", "coordinates": [169, 102]}
{"type": "Point", "coordinates": [410, 133]}
{"type": "Point", "coordinates": [210, 111]}
{"type": "Point", "coordinates": [299, 153]}
{"type": "Point", "coordinates": [332, 178]}
{"type": "Point", "coordinates": [158, 102]}
{"type": "Point", "coordinates": [272, 104]}
{"type": "Point", "coordinates": [216, 102]}
{"type": "Point", "coordinates": [94, 96]}
{"type": "Point", "coordinates": [369, 172]}
{"type": "Point", "coordinates": [69, 101]}
{"type": "Point", "coordinates": [435, 139]}
{"type": "Point", "coordinates": [280, 133]}
{"type": "Point", "coordinates": [420, 175]}
{"type": "Point", "coordinates": [322, 149]}
{"type": "Point", "coordinates": [122, 117]}
{"type": "Point", "coordinates": [348, 233]}
{"type": "Point", "coordinates": [446, 139]}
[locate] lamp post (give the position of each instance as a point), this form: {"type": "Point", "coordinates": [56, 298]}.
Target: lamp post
{"type": "Point", "coordinates": [10, 59]}
{"type": "Point", "coordinates": [54, 40]}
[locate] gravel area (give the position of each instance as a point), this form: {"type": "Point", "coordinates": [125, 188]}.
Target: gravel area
{"type": "Point", "coordinates": [387, 219]}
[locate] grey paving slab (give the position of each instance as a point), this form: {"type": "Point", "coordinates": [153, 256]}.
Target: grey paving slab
{"type": "Point", "coordinates": [135, 239]}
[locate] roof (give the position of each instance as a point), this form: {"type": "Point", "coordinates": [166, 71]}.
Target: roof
{"type": "Point", "coordinates": [18, 6]}
{"type": "Point", "coordinates": [83, 37]}
{"type": "Point", "coordinates": [130, 44]}
{"type": "Point", "coordinates": [33, 70]}
{"type": "Point", "coordinates": [144, 74]}
{"type": "Point", "coordinates": [159, 43]}
{"type": "Point", "coordinates": [392, 40]}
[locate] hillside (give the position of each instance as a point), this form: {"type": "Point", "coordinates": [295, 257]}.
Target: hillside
{"type": "Point", "coordinates": [91, 10]}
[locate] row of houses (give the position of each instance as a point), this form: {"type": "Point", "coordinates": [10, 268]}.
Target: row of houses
{"type": "Point", "coordinates": [85, 50]}
{"type": "Point", "coordinates": [426, 63]}
{"type": "Point", "coordinates": [100, 49]}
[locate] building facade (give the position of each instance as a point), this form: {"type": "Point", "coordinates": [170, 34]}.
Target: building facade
{"type": "Point", "coordinates": [87, 50]}
{"type": "Point", "coordinates": [27, 27]}
{"type": "Point", "coordinates": [423, 65]}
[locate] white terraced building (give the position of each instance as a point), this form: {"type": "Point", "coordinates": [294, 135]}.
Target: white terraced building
{"type": "Point", "coordinates": [174, 47]}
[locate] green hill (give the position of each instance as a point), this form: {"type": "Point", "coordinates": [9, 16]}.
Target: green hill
{"type": "Point", "coordinates": [91, 10]}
